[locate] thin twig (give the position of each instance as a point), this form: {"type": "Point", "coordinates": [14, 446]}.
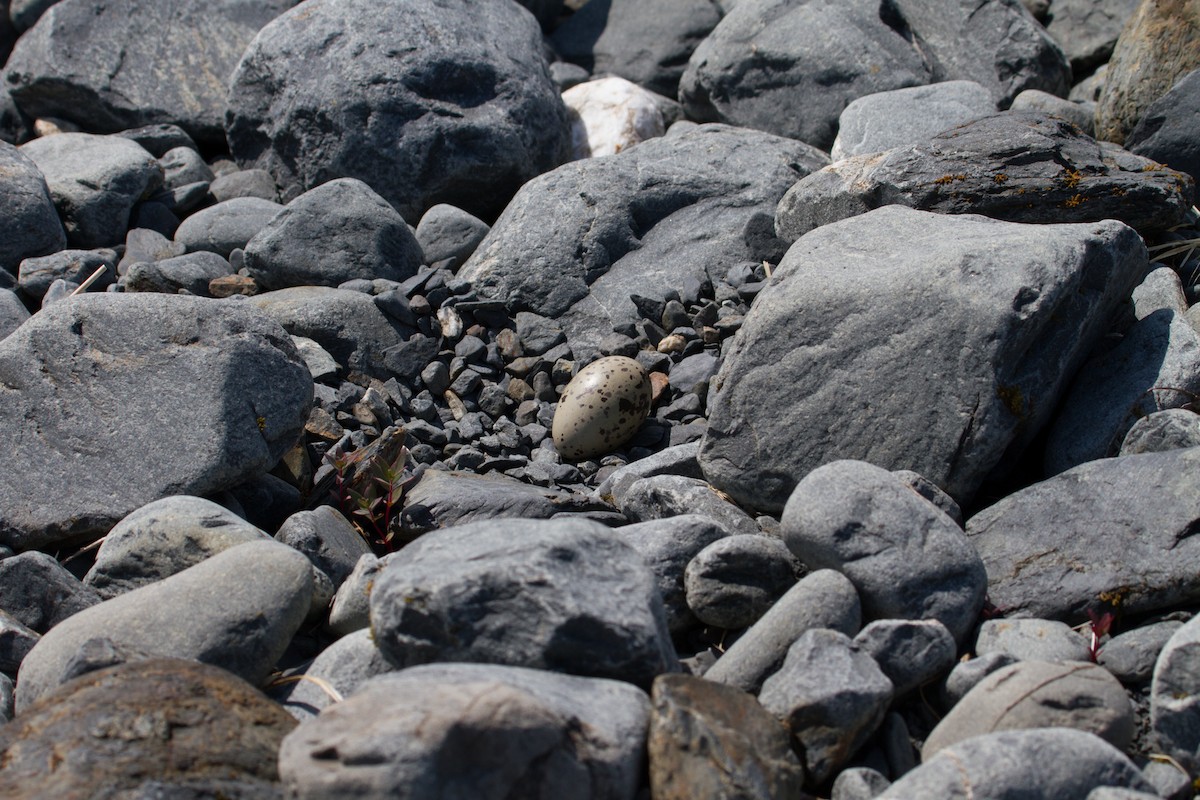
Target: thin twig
{"type": "Point", "coordinates": [325, 686]}
{"type": "Point", "coordinates": [95, 276]}
{"type": "Point", "coordinates": [86, 549]}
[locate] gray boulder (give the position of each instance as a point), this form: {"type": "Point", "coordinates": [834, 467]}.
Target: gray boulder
{"type": "Point", "coordinates": [677, 460]}
{"type": "Point", "coordinates": [670, 210]}
{"type": "Point", "coordinates": [1032, 640]}
{"type": "Point", "coordinates": [35, 275]}
{"type": "Point", "coordinates": [791, 67]}
{"type": "Point", "coordinates": [567, 595]}
{"type": "Point", "coordinates": [473, 730]}
{"type": "Point", "coordinates": [136, 62]}
{"type": "Point", "coordinates": [139, 396]}
{"type": "Point", "coordinates": [163, 538]}
{"type": "Point", "coordinates": [12, 312]}
{"type": "Point", "coordinates": [889, 299]}
{"type": "Point", "coordinates": [350, 609]}
{"type": "Point", "coordinates": [39, 593]}
{"type": "Point", "coordinates": [1131, 656]}
{"type": "Point", "coordinates": [966, 675]}
{"type": "Point", "coordinates": [733, 581]}
{"type": "Point", "coordinates": [463, 113]}
{"type": "Point", "coordinates": [237, 610]}
{"type": "Point", "coordinates": [1039, 694]}
{"type": "Point", "coordinates": [881, 121]}
{"type": "Point", "coordinates": [1119, 527]}
{"type": "Point", "coordinates": [443, 499]}
{"type": "Point", "coordinates": [906, 558]}
{"type": "Point", "coordinates": [16, 640]}
{"type": "Point", "coordinates": [449, 232]}
{"type": "Point", "coordinates": [996, 766]}
{"type": "Point", "coordinates": [1164, 132]}
{"type": "Point", "coordinates": [29, 224]}
{"type": "Point", "coordinates": [331, 543]}
{"type": "Point", "coordinates": [831, 695]}
{"type": "Point", "coordinates": [910, 652]}
{"type": "Point", "coordinates": [1161, 289]}
{"type": "Point", "coordinates": [661, 496]}
{"type": "Point", "coordinates": [336, 232]}
{"type": "Point", "coordinates": [1055, 174]}
{"type": "Point", "coordinates": [227, 226]}
{"type": "Point", "coordinates": [1175, 695]}
{"type": "Point", "coordinates": [333, 675]}
{"type": "Point", "coordinates": [1088, 30]}
{"type": "Point", "coordinates": [190, 273]}
{"type": "Point", "coordinates": [94, 182]}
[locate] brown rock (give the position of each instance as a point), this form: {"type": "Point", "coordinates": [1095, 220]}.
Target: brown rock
{"type": "Point", "coordinates": [168, 722]}
{"type": "Point", "coordinates": [229, 285]}
{"type": "Point", "coordinates": [1159, 45]}
{"type": "Point", "coordinates": [711, 740]}
{"type": "Point", "coordinates": [659, 384]}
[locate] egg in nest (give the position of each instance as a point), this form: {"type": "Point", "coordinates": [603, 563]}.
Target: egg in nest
{"type": "Point", "coordinates": [601, 408]}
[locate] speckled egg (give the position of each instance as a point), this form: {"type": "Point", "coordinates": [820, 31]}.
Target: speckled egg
{"type": "Point", "coordinates": [601, 408]}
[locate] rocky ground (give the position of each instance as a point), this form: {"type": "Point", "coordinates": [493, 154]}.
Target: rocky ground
{"type": "Point", "coordinates": [614, 399]}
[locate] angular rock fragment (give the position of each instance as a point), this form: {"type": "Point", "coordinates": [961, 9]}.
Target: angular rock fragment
{"type": "Point", "coordinates": [29, 224]}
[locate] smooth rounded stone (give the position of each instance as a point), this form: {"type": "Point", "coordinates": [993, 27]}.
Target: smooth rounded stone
{"type": "Point", "coordinates": [1012, 306]}
{"type": "Point", "coordinates": [709, 740]}
{"type": "Point", "coordinates": [831, 695]}
{"type": "Point", "coordinates": [883, 120]}
{"type": "Point", "coordinates": [104, 67]}
{"type": "Point", "coordinates": [1116, 793]}
{"type": "Point", "coordinates": [911, 653]}
{"type": "Point", "coordinates": [821, 599]}
{"type": "Point", "coordinates": [1155, 366]}
{"type": "Point", "coordinates": [1057, 174]}
{"type": "Point", "coordinates": [966, 674]}
{"type": "Point", "coordinates": [226, 226]}
{"type": "Point", "coordinates": [163, 538]}
{"type": "Point", "coordinates": [792, 68]}
{"type": "Point", "coordinates": [142, 244]}
{"type": "Point", "coordinates": [661, 214]}
{"type": "Point", "coordinates": [236, 610]}
{"type": "Point", "coordinates": [601, 408]}
{"type": "Point", "coordinates": [660, 496]}
{"type": "Point", "coordinates": [668, 546]}
{"type": "Point", "coordinates": [1039, 694]}
{"type": "Point", "coordinates": [336, 232]}
{"type": "Point", "coordinates": [35, 275]}
{"type": "Point", "coordinates": [171, 722]}
{"type": "Point", "coordinates": [1088, 30]}
{"type": "Point", "coordinates": [1159, 44]}
{"type": "Point", "coordinates": [446, 231]}
{"type": "Point", "coordinates": [567, 595]}
{"type": "Point", "coordinates": [472, 730]}
{"type": "Point", "coordinates": [1032, 640]}
{"type": "Point", "coordinates": [1037, 100]}
{"type": "Point", "coordinates": [645, 42]}
{"type": "Point", "coordinates": [12, 312]}
{"type": "Point", "coordinates": [677, 460]}
{"type": "Point", "coordinates": [244, 183]}
{"type": "Point", "coordinates": [1122, 528]}
{"type": "Point", "coordinates": [211, 393]}
{"type": "Point", "coordinates": [94, 182]}
{"type": "Point", "coordinates": [16, 640]}
{"type": "Point", "coordinates": [191, 273]}
{"type": "Point", "coordinates": [321, 365]}
{"type": "Point", "coordinates": [1161, 289]}
{"type": "Point", "coordinates": [29, 223]}
{"type": "Point", "coordinates": [1164, 132]}
{"type": "Point", "coordinates": [1175, 696]}
{"type": "Point", "coordinates": [464, 114]}
{"type": "Point", "coordinates": [183, 166]}
{"type": "Point", "coordinates": [858, 783]}
{"type": "Point", "coordinates": [609, 115]}
{"type": "Point", "coordinates": [1131, 656]}
{"type": "Point", "coordinates": [350, 609]}
{"type": "Point", "coordinates": [341, 667]}
{"type": "Point", "coordinates": [996, 766]}
{"type": "Point", "coordinates": [906, 558]}
{"type": "Point", "coordinates": [160, 138]}
{"type": "Point", "coordinates": [331, 543]}
{"type": "Point", "coordinates": [443, 499]}
{"type": "Point", "coordinates": [346, 323]}
{"type": "Point", "coordinates": [732, 582]}
{"type": "Point", "coordinates": [931, 492]}
{"type": "Point", "coordinates": [40, 593]}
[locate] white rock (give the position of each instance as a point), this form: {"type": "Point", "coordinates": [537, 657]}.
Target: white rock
{"type": "Point", "coordinates": [609, 115]}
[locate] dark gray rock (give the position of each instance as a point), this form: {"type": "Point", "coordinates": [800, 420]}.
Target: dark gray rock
{"type": "Point", "coordinates": [163, 538]}
{"type": "Point", "coordinates": [1165, 131]}
{"type": "Point", "coordinates": [1039, 694]}
{"type": "Point", "coordinates": [15, 126]}
{"type": "Point", "coordinates": [967, 674]}
{"type": "Point", "coordinates": [1032, 640]}
{"type": "Point", "coordinates": [1018, 166]}
{"type": "Point", "coordinates": [336, 232]}
{"type": "Point", "coordinates": [567, 595]}
{"type": "Point", "coordinates": [660, 214]}
{"type": "Point", "coordinates": [648, 43]}
{"type": "Point", "coordinates": [858, 783]}
{"type": "Point", "coordinates": [1131, 656]}
{"type": "Point", "coordinates": [931, 492]}
{"type": "Point", "coordinates": [16, 640]}
{"type": "Point", "coordinates": [227, 226]}
{"type": "Point", "coordinates": [350, 610]}
{"type": "Point", "coordinates": [678, 460]}
{"type": "Point", "coordinates": [329, 541]}
{"type": "Point", "coordinates": [1119, 386]}
{"type": "Point", "coordinates": [107, 67]}
{"type": "Point", "coordinates": [210, 393]}
{"type": "Point", "coordinates": [237, 610]}
{"type": "Point", "coordinates": [667, 546]}
{"type": "Point", "coordinates": [1081, 114]}
{"type": "Point", "coordinates": [1121, 527]}
{"type": "Point", "coordinates": [39, 592]}
{"type": "Point", "coordinates": [164, 728]}
{"type": "Point", "coordinates": [732, 582]}
{"type": "Point", "coordinates": [822, 599]}
{"type": "Point", "coordinates": [1172, 429]}
{"type": "Point", "coordinates": [661, 496]}
{"type": "Point", "coordinates": [911, 653]}
{"type": "Point", "coordinates": [34, 275]}
{"type": "Point", "coordinates": [881, 121]}
{"type": "Point", "coordinates": [6, 698]}
{"type": "Point", "coordinates": [12, 312]}
{"type": "Point", "coordinates": [94, 182]}
{"type": "Point", "coordinates": [1174, 694]}
{"type": "Point", "coordinates": [183, 166]}
{"type": "Point", "coordinates": [160, 138]}
{"type": "Point", "coordinates": [997, 765]}
{"type": "Point", "coordinates": [1014, 307]}
{"type": "Point", "coordinates": [906, 558]}
{"type": "Point", "coordinates": [449, 232]}
{"type": "Point", "coordinates": [443, 499]}
{"type": "Point", "coordinates": [790, 68]}
{"type": "Point", "coordinates": [333, 675]}
{"type": "Point", "coordinates": [831, 695]}
{"type": "Point", "coordinates": [463, 113]}
{"type": "Point", "coordinates": [709, 740]}
{"type": "Point", "coordinates": [191, 273]}
{"type": "Point", "coordinates": [473, 730]}
{"type": "Point", "coordinates": [142, 244]}
{"type": "Point", "coordinates": [29, 223]}
{"type": "Point", "coordinates": [1088, 30]}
